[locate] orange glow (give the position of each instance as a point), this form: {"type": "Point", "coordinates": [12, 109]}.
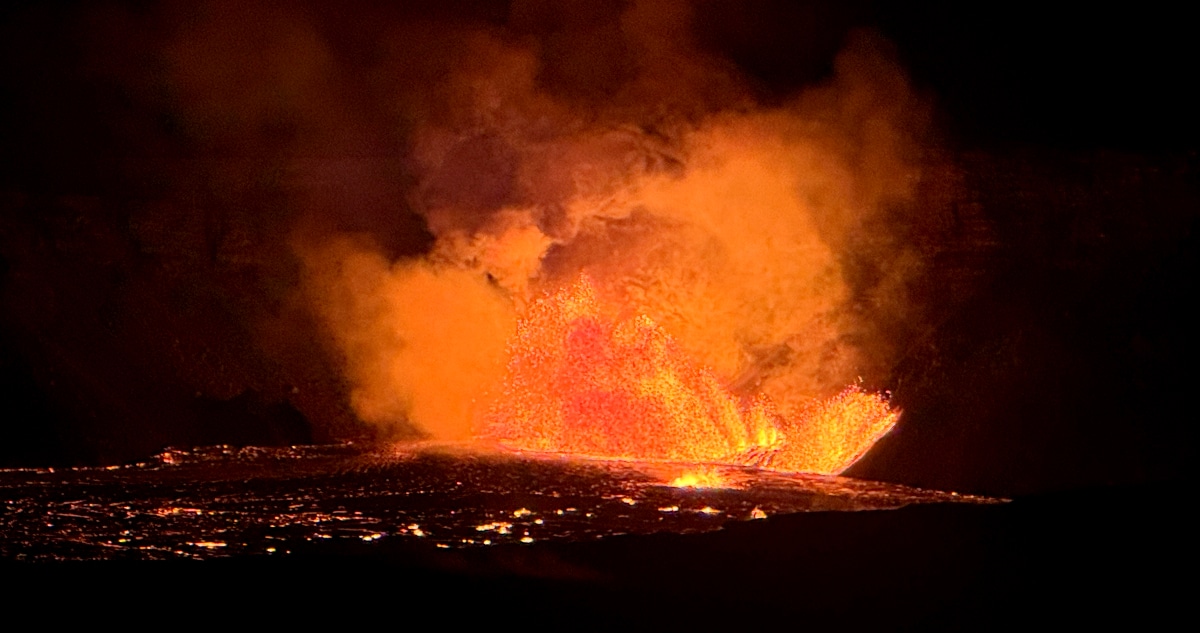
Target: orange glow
{"type": "Point", "coordinates": [835, 433]}
{"type": "Point", "coordinates": [701, 478]}
{"type": "Point", "coordinates": [579, 382]}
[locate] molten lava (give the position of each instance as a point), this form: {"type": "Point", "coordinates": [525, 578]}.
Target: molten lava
{"type": "Point", "coordinates": [578, 382]}
{"type": "Point", "coordinates": [701, 478]}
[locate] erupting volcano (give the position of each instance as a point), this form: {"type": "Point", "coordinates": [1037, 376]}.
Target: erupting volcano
{"type": "Point", "coordinates": [581, 383]}
{"type": "Point", "coordinates": [678, 273]}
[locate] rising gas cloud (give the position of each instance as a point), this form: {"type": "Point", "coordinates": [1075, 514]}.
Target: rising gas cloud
{"type": "Point", "coordinates": [622, 150]}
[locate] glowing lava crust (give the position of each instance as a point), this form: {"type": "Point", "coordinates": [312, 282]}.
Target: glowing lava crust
{"type": "Point", "coordinates": [580, 383]}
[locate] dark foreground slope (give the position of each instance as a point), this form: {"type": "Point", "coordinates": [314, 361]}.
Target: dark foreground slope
{"type": "Point", "coordinates": [1106, 556]}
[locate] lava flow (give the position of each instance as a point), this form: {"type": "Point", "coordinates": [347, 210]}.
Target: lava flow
{"type": "Point", "coordinates": [580, 383]}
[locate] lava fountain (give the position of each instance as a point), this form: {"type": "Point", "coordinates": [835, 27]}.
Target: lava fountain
{"type": "Point", "coordinates": [582, 383]}
{"type": "Point", "coordinates": [736, 249]}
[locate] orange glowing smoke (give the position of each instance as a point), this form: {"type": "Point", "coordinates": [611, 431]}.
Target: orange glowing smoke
{"type": "Point", "coordinates": [579, 382]}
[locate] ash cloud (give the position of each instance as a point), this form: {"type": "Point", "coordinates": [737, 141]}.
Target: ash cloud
{"type": "Point", "coordinates": [607, 142]}
{"type": "Point", "coordinates": [344, 209]}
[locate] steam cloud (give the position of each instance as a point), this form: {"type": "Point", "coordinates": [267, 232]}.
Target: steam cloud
{"type": "Point", "coordinates": [573, 138]}
{"type": "Point", "coordinates": [727, 222]}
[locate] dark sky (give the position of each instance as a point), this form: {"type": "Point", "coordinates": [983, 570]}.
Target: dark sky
{"type": "Point", "coordinates": [147, 284]}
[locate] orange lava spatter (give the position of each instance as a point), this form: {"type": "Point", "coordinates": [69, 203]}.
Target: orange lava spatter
{"type": "Point", "coordinates": [577, 382]}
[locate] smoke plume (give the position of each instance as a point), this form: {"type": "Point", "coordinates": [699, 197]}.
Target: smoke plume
{"type": "Point", "coordinates": [606, 142]}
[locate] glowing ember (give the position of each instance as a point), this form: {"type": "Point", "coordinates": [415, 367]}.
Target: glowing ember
{"type": "Point", "coordinates": [580, 383]}
{"type": "Point", "coordinates": [707, 478]}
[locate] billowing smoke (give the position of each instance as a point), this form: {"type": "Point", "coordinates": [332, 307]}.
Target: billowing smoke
{"type": "Point", "coordinates": [606, 142]}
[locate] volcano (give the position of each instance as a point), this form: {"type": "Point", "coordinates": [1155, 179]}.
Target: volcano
{"type": "Point", "coordinates": [583, 314]}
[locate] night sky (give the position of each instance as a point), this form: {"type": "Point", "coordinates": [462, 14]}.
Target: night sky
{"type": "Point", "coordinates": [148, 283]}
